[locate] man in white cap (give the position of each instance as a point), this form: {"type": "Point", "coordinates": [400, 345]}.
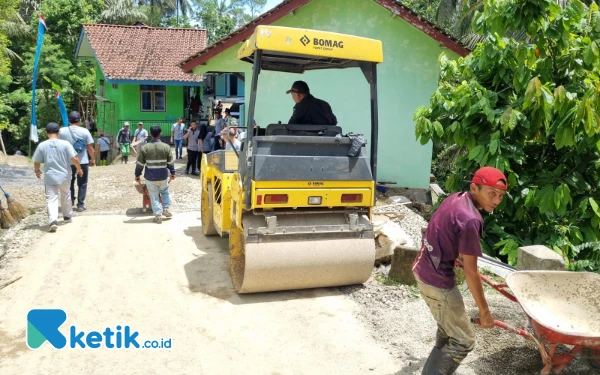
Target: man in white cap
{"type": "Point", "coordinates": [124, 141]}
{"type": "Point", "coordinates": [140, 135]}
{"type": "Point", "coordinates": [230, 136]}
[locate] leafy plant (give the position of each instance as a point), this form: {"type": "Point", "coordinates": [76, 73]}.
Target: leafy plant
{"type": "Point", "coordinates": [530, 107]}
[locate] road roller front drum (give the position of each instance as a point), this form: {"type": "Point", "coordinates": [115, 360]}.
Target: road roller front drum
{"type": "Point", "coordinates": [263, 263]}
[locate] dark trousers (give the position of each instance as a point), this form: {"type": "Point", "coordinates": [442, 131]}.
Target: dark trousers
{"type": "Point", "coordinates": [81, 185]}
{"type": "Point", "coordinates": [192, 160]}
{"type": "Point", "coordinates": [103, 155]}
{"type": "Point", "coordinates": [217, 145]}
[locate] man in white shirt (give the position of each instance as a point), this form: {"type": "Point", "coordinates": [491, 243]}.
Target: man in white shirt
{"type": "Point", "coordinates": [177, 132]}
{"type": "Point", "coordinates": [231, 135]}
{"type": "Point", "coordinates": [57, 156]}
{"type": "Point", "coordinates": [70, 134]}
{"type": "Point", "coordinates": [140, 134]}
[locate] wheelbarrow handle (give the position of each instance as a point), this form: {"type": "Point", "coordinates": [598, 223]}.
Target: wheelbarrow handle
{"type": "Point", "coordinates": [499, 287]}
{"type": "Point", "coordinates": [508, 327]}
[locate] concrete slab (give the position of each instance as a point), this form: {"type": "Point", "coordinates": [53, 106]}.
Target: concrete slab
{"type": "Point", "coordinates": [538, 257]}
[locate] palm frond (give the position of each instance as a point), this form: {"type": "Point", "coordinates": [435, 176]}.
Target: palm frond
{"type": "Point", "coordinates": [121, 11]}
{"type": "Point", "coordinates": [184, 6]}
{"type": "Point", "coordinates": [11, 54]}
{"type": "Point", "coordinates": [15, 27]}
{"type": "Point", "coordinates": [472, 40]}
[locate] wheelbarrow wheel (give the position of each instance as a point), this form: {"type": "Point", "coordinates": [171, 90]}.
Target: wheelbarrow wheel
{"type": "Point", "coordinates": [593, 357]}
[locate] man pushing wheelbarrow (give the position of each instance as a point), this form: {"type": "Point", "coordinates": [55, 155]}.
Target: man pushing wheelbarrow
{"type": "Point", "coordinates": [454, 230]}
{"type": "Point", "coordinates": [158, 160]}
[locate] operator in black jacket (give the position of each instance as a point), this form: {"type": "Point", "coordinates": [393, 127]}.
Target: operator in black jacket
{"type": "Point", "coordinates": [308, 109]}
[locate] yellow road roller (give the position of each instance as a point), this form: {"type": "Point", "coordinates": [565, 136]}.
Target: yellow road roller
{"type": "Point", "coordinates": [296, 207]}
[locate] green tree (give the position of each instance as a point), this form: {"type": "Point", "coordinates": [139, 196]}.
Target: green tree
{"type": "Point", "coordinates": [220, 17]}
{"type": "Point", "coordinates": [64, 19]}
{"type": "Point", "coordinates": [427, 8]}
{"type": "Point", "coordinates": [532, 109]}
{"type": "Point", "coordinates": [10, 25]}
{"type": "Point", "coordinates": [254, 6]}
{"type": "Point", "coordinates": [8, 16]}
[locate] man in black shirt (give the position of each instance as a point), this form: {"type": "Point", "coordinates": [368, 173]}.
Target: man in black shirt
{"type": "Point", "coordinates": [308, 109]}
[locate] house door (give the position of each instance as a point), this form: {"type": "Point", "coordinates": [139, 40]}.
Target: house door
{"type": "Point", "coordinates": [233, 85]}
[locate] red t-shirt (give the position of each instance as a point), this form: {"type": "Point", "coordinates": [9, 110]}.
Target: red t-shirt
{"type": "Point", "coordinates": [454, 228]}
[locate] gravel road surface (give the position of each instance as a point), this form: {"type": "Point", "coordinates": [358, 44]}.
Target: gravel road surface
{"type": "Point", "coordinates": [113, 266]}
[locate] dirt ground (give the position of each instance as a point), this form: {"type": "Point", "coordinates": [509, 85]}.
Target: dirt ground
{"type": "Point", "coordinates": [112, 265]}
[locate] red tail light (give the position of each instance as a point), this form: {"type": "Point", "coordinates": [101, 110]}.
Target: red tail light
{"type": "Point", "coordinates": [258, 200]}
{"type": "Point", "coordinates": [276, 198]}
{"type": "Point", "coordinates": [352, 198]}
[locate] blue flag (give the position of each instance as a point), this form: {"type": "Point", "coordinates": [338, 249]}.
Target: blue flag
{"type": "Point", "coordinates": [41, 32]}
{"type": "Point", "coordinates": [63, 109]}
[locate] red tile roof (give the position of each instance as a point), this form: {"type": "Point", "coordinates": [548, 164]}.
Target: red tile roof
{"type": "Point", "coordinates": [288, 6]}
{"type": "Point", "coordinates": [144, 53]}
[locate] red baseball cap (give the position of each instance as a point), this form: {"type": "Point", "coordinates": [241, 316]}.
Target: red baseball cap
{"type": "Point", "coordinates": [490, 176]}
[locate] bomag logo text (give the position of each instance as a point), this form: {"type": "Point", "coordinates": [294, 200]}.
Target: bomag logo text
{"type": "Point", "coordinates": [327, 44]}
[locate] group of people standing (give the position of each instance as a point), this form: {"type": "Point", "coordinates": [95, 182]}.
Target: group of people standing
{"type": "Point", "coordinates": [125, 140]}
{"type": "Point", "coordinates": [204, 139]}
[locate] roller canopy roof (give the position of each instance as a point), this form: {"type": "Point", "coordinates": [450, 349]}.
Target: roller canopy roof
{"type": "Point", "coordinates": [297, 50]}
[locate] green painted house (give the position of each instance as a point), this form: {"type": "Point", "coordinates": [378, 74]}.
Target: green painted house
{"type": "Point", "coordinates": [137, 73]}
{"type": "Point", "coordinates": [406, 79]}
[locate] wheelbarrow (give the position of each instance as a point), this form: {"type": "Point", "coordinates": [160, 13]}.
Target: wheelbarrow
{"type": "Point", "coordinates": [143, 189]}
{"type": "Point", "coordinates": [562, 308]}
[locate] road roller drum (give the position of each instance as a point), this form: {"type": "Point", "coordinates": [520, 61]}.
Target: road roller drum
{"type": "Point", "coordinates": [329, 254]}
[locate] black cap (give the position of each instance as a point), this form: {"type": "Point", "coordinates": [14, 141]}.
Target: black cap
{"type": "Point", "coordinates": [74, 117]}
{"type": "Point", "coordinates": [300, 87]}
{"type": "Point", "coordinates": [52, 128]}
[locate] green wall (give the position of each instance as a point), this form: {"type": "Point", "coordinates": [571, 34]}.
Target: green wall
{"type": "Point", "coordinates": [127, 103]}
{"type": "Point", "coordinates": [406, 78]}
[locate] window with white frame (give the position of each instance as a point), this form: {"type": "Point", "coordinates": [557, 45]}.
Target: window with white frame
{"type": "Point", "coordinates": [153, 98]}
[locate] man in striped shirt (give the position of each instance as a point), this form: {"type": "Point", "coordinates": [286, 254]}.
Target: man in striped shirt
{"type": "Point", "coordinates": [158, 160]}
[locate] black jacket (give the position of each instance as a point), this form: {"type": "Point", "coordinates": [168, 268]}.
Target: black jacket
{"type": "Point", "coordinates": [313, 111]}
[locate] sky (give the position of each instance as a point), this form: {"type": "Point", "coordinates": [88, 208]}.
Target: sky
{"type": "Point", "coordinates": [271, 4]}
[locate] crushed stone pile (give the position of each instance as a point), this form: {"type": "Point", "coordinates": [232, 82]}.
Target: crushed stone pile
{"type": "Point", "coordinates": [374, 294]}
{"type": "Point", "coordinates": [410, 221]}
